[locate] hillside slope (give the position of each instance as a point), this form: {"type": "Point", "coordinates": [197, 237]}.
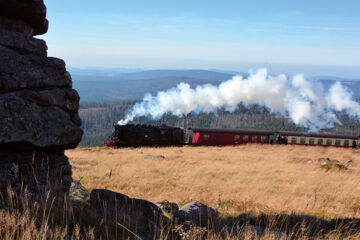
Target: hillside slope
{"type": "Point", "coordinates": [114, 84]}
{"type": "Point", "coordinates": [113, 90]}
{"type": "Point", "coordinates": [259, 178]}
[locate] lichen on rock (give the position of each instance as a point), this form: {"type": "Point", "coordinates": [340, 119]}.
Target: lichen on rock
{"type": "Point", "coordinates": [38, 107]}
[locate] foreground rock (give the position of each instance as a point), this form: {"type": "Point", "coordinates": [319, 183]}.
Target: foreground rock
{"type": "Point", "coordinates": [38, 107]}
{"type": "Point", "coordinates": [27, 16]}
{"type": "Point", "coordinates": [78, 192]}
{"type": "Point", "coordinates": [197, 213]}
{"type": "Point", "coordinates": [169, 208]}
{"type": "Point", "coordinates": [154, 157]}
{"type": "Point", "coordinates": [40, 170]}
{"type": "Point", "coordinates": [131, 216]}
{"type": "Point", "coordinates": [328, 164]}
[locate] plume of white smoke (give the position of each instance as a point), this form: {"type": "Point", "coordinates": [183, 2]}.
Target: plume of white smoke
{"type": "Point", "coordinates": [306, 103]}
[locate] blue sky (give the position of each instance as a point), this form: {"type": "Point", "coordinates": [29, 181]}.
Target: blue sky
{"type": "Point", "coordinates": [204, 34]}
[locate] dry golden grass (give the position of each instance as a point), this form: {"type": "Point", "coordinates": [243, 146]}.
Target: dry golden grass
{"type": "Point", "coordinates": [44, 218]}
{"type": "Point", "coordinates": [262, 187]}
{"type": "Point", "coordinates": [234, 180]}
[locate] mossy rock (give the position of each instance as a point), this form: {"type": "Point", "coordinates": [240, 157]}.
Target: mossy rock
{"type": "Point", "coordinates": [333, 165]}
{"type": "Point", "coordinates": [168, 208]}
{"type": "Point", "coordinates": [78, 192]}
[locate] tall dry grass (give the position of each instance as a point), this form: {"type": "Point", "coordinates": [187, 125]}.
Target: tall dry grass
{"type": "Point", "coordinates": [41, 217]}
{"type": "Point", "coordinates": [236, 179]}
{"type": "Point", "coordinates": [281, 188]}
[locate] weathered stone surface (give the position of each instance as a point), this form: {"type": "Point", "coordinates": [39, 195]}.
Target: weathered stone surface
{"type": "Point", "coordinates": [325, 161]}
{"type": "Point", "coordinates": [140, 216]}
{"type": "Point", "coordinates": [16, 25]}
{"type": "Point", "coordinates": [41, 170]}
{"type": "Point", "coordinates": [168, 207]}
{"type": "Point", "coordinates": [19, 71]}
{"type": "Point", "coordinates": [64, 98]}
{"type": "Point", "coordinates": [23, 121]}
{"type": "Point", "coordinates": [33, 12]}
{"type": "Point", "coordinates": [22, 43]}
{"type": "Point", "coordinates": [75, 118]}
{"type": "Point", "coordinates": [78, 192]}
{"type": "Point", "coordinates": [199, 214]}
{"type": "Point", "coordinates": [154, 157]}
{"type": "Point", "coordinates": [38, 109]}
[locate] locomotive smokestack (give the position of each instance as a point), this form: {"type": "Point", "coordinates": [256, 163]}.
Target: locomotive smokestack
{"type": "Point", "coordinates": [185, 122]}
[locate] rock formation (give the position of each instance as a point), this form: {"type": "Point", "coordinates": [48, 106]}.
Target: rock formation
{"type": "Point", "coordinates": [130, 214]}
{"type": "Point", "coordinates": [197, 213]}
{"type": "Point", "coordinates": [38, 107]}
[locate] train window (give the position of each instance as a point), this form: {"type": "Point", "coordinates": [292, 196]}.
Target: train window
{"type": "Point", "coordinates": [311, 141]}
{"type": "Point", "coordinates": [302, 140]}
{"type": "Point", "coordinates": [254, 138]}
{"type": "Point", "coordinates": [329, 142]}
{"type": "Point", "coordinates": [293, 140]}
{"type": "Point", "coordinates": [346, 143]}
{"type": "Point", "coordinates": [217, 137]}
{"type": "Point", "coordinates": [320, 142]}
{"type": "Point", "coordinates": [263, 139]}
{"type": "Point", "coordinates": [245, 138]}
{"type": "Point", "coordinates": [206, 136]}
{"type": "Point", "coordinates": [337, 142]}
{"type": "Point", "coordinates": [236, 137]}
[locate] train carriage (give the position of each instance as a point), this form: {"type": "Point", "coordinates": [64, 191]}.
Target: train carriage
{"type": "Point", "coordinates": [320, 139]}
{"type": "Point", "coordinates": [147, 135]}
{"type": "Point", "coordinates": [222, 137]}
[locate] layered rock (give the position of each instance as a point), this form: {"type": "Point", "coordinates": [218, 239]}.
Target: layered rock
{"type": "Point", "coordinates": [38, 107]}
{"type": "Point", "coordinates": [26, 16]}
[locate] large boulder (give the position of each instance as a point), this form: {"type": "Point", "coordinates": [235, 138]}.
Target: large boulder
{"type": "Point", "coordinates": [38, 107]}
{"type": "Point", "coordinates": [197, 213]}
{"type": "Point", "coordinates": [168, 207]}
{"type": "Point", "coordinates": [32, 12]}
{"type": "Point", "coordinates": [22, 43]}
{"type": "Point", "coordinates": [24, 121]}
{"type": "Point", "coordinates": [130, 215]}
{"type": "Point", "coordinates": [16, 25]}
{"type": "Point", "coordinates": [28, 71]}
{"type": "Point", "coordinates": [78, 192]}
{"type": "Point", "coordinates": [47, 170]}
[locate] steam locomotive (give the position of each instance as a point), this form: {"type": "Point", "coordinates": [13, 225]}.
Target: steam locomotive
{"type": "Point", "coordinates": [145, 135]}
{"type": "Point", "coordinates": [163, 135]}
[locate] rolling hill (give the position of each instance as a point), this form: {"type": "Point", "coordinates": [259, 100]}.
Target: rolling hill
{"type": "Point", "coordinates": [113, 86]}
{"type": "Point", "coordinates": [130, 89]}
{"type": "Point", "coordinates": [124, 84]}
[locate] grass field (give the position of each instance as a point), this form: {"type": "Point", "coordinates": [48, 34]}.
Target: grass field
{"type": "Point", "coordinates": [252, 178]}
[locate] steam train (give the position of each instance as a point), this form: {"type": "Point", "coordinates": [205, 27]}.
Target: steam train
{"type": "Point", "coordinates": [145, 135]}
{"type": "Point", "coordinates": [163, 135]}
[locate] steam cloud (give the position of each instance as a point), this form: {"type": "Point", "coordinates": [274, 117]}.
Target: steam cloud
{"type": "Point", "coordinates": [306, 103]}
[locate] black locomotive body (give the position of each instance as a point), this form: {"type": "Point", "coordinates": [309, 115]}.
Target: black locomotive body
{"type": "Point", "coordinates": [145, 135]}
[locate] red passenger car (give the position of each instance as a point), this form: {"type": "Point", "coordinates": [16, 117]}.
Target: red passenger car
{"type": "Point", "coordinates": [221, 137]}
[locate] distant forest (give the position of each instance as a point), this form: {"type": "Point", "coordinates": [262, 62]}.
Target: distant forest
{"type": "Point", "coordinates": [98, 119]}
